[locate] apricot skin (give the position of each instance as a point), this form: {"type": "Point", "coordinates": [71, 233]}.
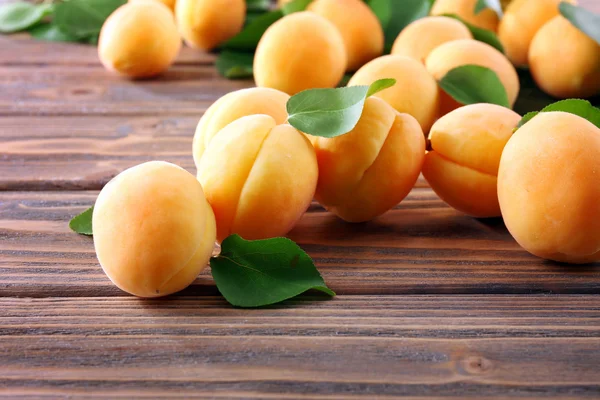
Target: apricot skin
{"type": "Point", "coordinates": [235, 105]}
{"type": "Point", "coordinates": [154, 232]}
{"type": "Point", "coordinates": [486, 19]}
{"type": "Point", "coordinates": [415, 92]}
{"type": "Point", "coordinates": [300, 51]}
{"type": "Point", "coordinates": [139, 39]}
{"type": "Point", "coordinates": [369, 170]}
{"type": "Point", "coordinates": [462, 165]}
{"type": "Point", "coordinates": [360, 28]}
{"type": "Point", "coordinates": [419, 38]}
{"type": "Point", "coordinates": [204, 24]}
{"type": "Point", "coordinates": [466, 52]}
{"type": "Point", "coordinates": [548, 187]}
{"type": "Point", "coordinates": [521, 21]}
{"type": "Point", "coordinates": [259, 177]}
{"type": "Point", "coordinates": [564, 61]}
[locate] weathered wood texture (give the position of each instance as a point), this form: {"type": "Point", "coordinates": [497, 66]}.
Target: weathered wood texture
{"type": "Point", "coordinates": [351, 347]}
{"type": "Point", "coordinates": [423, 246]}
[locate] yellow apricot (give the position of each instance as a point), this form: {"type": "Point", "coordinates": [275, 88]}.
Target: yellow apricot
{"type": "Point", "coordinates": [521, 21]}
{"type": "Point", "coordinates": [454, 54]}
{"type": "Point", "coordinates": [259, 177]}
{"type": "Point", "coordinates": [564, 61]}
{"type": "Point", "coordinates": [360, 28]}
{"type": "Point", "coordinates": [486, 19]}
{"type": "Point", "coordinates": [415, 92]}
{"type": "Point", "coordinates": [420, 37]}
{"type": "Point", "coordinates": [139, 39]}
{"type": "Point", "coordinates": [235, 105]}
{"type": "Point", "coordinates": [168, 3]}
{"type": "Point", "coordinates": [300, 51]}
{"type": "Point", "coordinates": [548, 187]}
{"type": "Point", "coordinates": [205, 24]}
{"type": "Point", "coordinates": [369, 170]}
{"type": "Point", "coordinates": [466, 146]}
{"type": "Point", "coordinates": [154, 232]}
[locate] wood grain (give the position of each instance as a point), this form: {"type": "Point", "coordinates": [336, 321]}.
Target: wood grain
{"type": "Point", "coordinates": [352, 347]}
{"type": "Point", "coordinates": [421, 247]}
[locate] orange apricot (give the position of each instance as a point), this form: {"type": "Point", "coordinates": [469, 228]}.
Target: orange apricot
{"type": "Point", "coordinates": [465, 9]}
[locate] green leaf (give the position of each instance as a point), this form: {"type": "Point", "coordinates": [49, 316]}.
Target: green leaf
{"type": "Point", "coordinates": [82, 223]}
{"type": "Point", "coordinates": [394, 18]}
{"type": "Point", "coordinates": [248, 38]}
{"type": "Point", "coordinates": [331, 112]}
{"type": "Point", "coordinates": [582, 108]}
{"type": "Point", "coordinates": [491, 4]}
{"type": "Point", "coordinates": [295, 6]}
{"type": "Point", "coordinates": [235, 64]}
{"type": "Point", "coordinates": [15, 17]}
{"type": "Point", "coordinates": [583, 19]}
{"type": "Point", "coordinates": [50, 32]}
{"type": "Point", "coordinates": [262, 272]}
{"type": "Point", "coordinates": [483, 35]}
{"type": "Point", "coordinates": [345, 79]}
{"type": "Point", "coordinates": [471, 84]}
{"type": "Point", "coordinates": [84, 18]}
{"type": "Point", "coordinates": [253, 6]}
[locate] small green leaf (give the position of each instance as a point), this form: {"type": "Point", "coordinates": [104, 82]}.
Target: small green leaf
{"type": "Point", "coordinates": [394, 17]}
{"type": "Point", "coordinates": [235, 64]}
{"type": "Point", "coordinates": [471, 84]}
{"type": "Point", "coordinates": [15, 17]}
{"type": "Point", "coordinates": [295, 6]}
{"type": "Point", "coordinates": [583, 19]}
{"type": "Point", "coordinates": [83, 19]}
{"type": "Point", "coordinates": [262, 272]}
{"type": "Point", "coordinates": [491, 4]}
{"type": "Point", "coordinates": [51, 33]}
{"type": "Point", "coordinates": [331, 112]}
{"type": "Point", "coordinates": [248, 38]}
{"type": "Point", "coordinates": [82, 223]}
{"type": "Point", "coordinates": [480, 34]}
{"type": "Point", "coordinates": [582, 108]}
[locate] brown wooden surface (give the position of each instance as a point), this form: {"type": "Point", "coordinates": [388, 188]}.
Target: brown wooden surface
{"type": "Point", "coordinates": [432, 304]}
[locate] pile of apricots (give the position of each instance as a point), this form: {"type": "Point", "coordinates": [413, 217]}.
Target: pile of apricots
{"type": "Point", "coordinates": [257, 175]}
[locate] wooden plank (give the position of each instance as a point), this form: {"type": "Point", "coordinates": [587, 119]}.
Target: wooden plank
{"type": "Point", "coordinates": [422, 247]}
{"type": "Point", "coordinates": [351, 347]}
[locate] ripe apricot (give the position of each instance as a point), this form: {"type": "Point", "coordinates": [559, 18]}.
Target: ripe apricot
{"type": "Point", "coordinates": [205, 24]}
{"type": "Point", "coordinates": [420, 37]}
{"type": "Point", "coordinates": [235, 105]}
{"type": "Point", "coordinates": [369, 170]}
{"type": "Point", "coordinates": [259, 177]}
{"type": "Point", "coordinates": [465, 9]}
{"type": "Point", "coordinates": [471, 52]}
{"type": "Point", "coordinates": [548, 187]}
{"type": "Point", "coordinates": [360, 28]}
{"type": "Point", "coordinates": [415, 92]}
{"type": "Point", "coordinates": [462, 165]}
{"type": "Point", "coordinates": [154, 232]}
{"type": "Point", "coordinates": [139, 39]}
{"type": "Point", "coordinates": [300, 51]}
{"type": "Point", "coordinates": [564, 61]}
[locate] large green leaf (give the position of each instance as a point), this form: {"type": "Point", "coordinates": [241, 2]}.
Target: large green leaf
{"type": "Point", "coordinates": [83, 19]}
{"type": "Point", "coordinates": [18, 16]}
{"type": "Point", "coordinates": [471, 84]}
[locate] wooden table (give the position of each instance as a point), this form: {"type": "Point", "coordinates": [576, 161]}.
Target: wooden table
{"type": "Point", "coordinates": [431, 303]}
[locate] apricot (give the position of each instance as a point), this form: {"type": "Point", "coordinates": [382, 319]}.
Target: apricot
{"type": "Point", "coordinates": [259, 177]}
{"type": "Point", "coordinates": [420, 37]}
{"type": "Point", "coordinates": [168, 3]}
{"type": "Point", "coordinates": [465, 9]}
{"type": "Point", "coordinates": [139, 39]}
{"type": "Point", "coordinates": [154, 232]}
{"type": "Point", "coordinates": [564, 61]}
{"type": "Point", "coordinates": [548, 187]}
{"type": "Point", "coordinates": [300, 51]}
{"type": "Point", "coordinates": [235, 105]}
{"type": "Point", "coordinates": [205, 24]}
{"type": "Point", "coordinates": [369, 170]}
{"type": "Point", "coordinates": [361, 31]}
{"type": "Point", "coordinates": [471, 52]}
{"type": "Point", "coordinates": [415, 92]}
{"type": "Point", "coordinates": [462, 165]}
